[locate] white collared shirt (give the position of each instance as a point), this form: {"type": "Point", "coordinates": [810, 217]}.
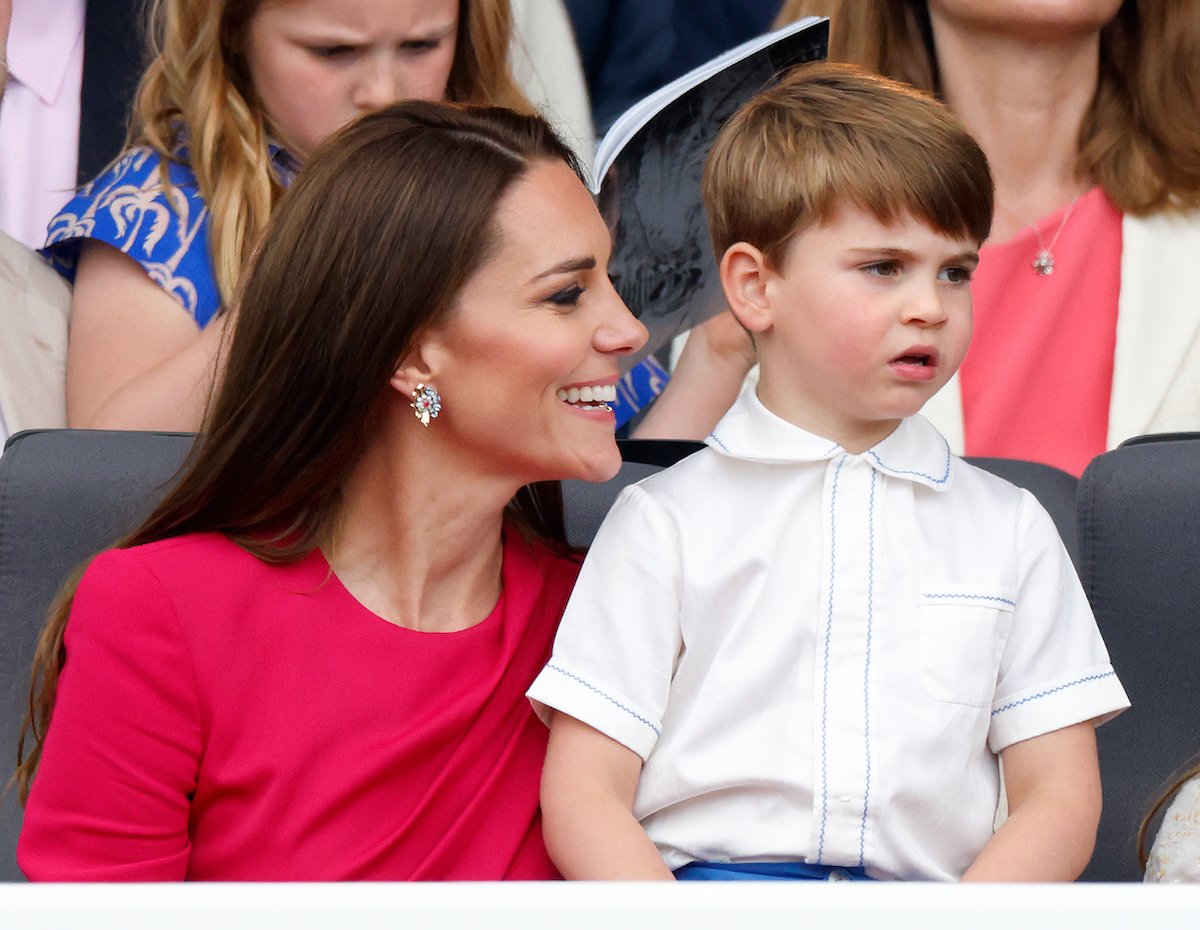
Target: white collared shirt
{"type": "Point", "coordinates": [818, 654]}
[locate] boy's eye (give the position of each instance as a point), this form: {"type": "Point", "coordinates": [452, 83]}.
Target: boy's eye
{"type": "Point", "coordinates": [955, 275]}
{"type": "Point", "coordinates": [883, 269]}
{"type": "Point", "coordinates": [567, 297]}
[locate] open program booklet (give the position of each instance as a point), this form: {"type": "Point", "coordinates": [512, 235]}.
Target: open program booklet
{"type": "Point", "coordinates": [648, 170]}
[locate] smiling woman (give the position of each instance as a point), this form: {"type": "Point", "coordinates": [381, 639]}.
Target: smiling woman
{"type": "Point", "coordinates": [310, 662]}
{"type": "Point", "coordinates": [551, 267]}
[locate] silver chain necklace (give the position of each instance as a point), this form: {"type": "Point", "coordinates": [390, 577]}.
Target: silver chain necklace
{"type": "Point", "coordinates": [1043, 262]}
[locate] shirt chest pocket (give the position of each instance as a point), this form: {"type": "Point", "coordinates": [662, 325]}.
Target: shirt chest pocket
{"type": "Point", "coordinates": [963, 631]}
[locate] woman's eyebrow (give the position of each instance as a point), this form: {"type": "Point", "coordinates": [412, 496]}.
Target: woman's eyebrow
{"type": "Point", "coordinates": [585, 263]}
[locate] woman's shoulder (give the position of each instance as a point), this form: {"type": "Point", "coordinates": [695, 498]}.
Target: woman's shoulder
{"type": "Point", "coordinates": [210, 554]}
{"type": "Point", "coordinates": [184, 583]}
{"type": "Point", "coordinates": [163, 227]}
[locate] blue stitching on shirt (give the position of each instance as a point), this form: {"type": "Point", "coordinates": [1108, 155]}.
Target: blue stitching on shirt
{"type": "Point", "coordinates": [1042, 694]}
{"type": "Point", "coordinates": [974, 597]}
{"type": "Point", "coordinates": [920, 474]}
{"type": "Point", "coordinates": [825, 679]}
{"type": "Point", "coordinates": [862, 830]}
{"type": "Point", "coordinates": [608, 697]}
{"type": "Point", "coordinates": [715, 438]}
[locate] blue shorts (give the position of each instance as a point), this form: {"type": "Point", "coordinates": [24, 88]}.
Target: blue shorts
{"type": "Point", "coordinates": [769, 871]}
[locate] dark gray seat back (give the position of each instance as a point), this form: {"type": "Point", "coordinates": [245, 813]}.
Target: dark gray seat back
{"type": "Point", "coordinates": [64, 496]}
{"type": "Point", "coordinates": [1139, 531]}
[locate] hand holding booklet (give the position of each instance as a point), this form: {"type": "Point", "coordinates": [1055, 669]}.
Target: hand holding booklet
{"type": "Point", "coordinates": [648, 170]}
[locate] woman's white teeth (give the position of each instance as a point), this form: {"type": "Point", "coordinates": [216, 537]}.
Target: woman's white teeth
{"type": "Point", "coordinates": [595, 393]}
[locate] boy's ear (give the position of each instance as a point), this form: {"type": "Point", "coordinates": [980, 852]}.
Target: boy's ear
{"type": "Point", "coordinates": [744, 277]}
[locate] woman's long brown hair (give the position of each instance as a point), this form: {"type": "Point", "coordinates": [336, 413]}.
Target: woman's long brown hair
{"type": "Point", "coordinates": [383, 227]}
{"type": "Point", "coordinates": [1140, 140]}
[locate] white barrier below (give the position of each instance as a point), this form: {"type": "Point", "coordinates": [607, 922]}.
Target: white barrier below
{"type": "Point", "coordinates": [600, 906]}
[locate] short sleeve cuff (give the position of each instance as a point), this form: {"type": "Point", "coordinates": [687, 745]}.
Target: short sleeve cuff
{"type": "Point", "coordinates": [561, 688]}
{"type": "Point", "coordinates": [1094, 693]}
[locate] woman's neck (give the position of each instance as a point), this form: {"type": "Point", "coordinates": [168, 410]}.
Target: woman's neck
{"type": "Point", "coordinates": [417, 539]}
{"type": "Point", "coordinates": [1024, 102]}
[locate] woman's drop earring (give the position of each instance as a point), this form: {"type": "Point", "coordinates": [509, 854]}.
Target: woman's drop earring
{"type": "Point", "coordinates": [427, 403]}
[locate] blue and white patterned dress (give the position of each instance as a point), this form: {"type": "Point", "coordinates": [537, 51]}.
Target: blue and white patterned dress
{"type": "Point", "coordinates": [165, 231]}
{"type": "Point", "coordinates": [637, 388]}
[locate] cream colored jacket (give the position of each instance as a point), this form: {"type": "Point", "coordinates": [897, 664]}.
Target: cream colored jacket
{"type": "Point", "coordinates": [35, 307]}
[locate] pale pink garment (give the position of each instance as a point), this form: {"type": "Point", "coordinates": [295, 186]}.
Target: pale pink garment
{"type": "Point", "coordinates": [39, 118]}
{"type": "Point", "coordinates": [1037, 378]}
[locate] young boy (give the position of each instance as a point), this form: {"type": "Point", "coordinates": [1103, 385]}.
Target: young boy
{"type": "Point", "coordinates": [798, 652]}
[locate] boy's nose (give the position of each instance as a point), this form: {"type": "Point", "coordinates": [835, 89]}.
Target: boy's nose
{"type": "Point", "coordinates": [925, 308]}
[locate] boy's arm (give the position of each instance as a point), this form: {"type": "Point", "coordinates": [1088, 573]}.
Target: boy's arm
{"type": "Point", "coordinates": [1053, 786]}
{"type": "Point", "coordinates": [588, 786]}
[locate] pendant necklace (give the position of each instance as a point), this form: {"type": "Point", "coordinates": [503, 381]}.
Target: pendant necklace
{"type": "Point", "coordinates": [1043, 263]}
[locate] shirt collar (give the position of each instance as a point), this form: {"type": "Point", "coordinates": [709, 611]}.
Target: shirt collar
{"type": "Point", "coordinates": [915, 451]}
{"type": "Point", "coordinates": [41, 42]}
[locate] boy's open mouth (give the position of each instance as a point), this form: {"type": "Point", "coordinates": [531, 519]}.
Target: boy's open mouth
{"type": "Point", "coordinates": [918, 355]}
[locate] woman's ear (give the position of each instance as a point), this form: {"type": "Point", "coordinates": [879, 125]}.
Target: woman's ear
{"type": "Point", "coordinates": [414, 368]}
{"type": "Point", "coordinates": [745, 274]}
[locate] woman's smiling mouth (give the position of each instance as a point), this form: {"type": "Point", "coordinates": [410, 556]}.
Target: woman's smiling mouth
{"type": "Point", "coordinates": [589, 396]}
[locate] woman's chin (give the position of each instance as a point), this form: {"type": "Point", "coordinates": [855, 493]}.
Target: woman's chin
{"type": "Point", "coordinates": [602, 465]}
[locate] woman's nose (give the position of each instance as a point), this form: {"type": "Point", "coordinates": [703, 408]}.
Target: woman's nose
{"type": "Point", "coordinates": [620, 331]}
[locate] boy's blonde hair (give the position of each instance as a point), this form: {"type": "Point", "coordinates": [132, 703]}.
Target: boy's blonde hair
{"type": "Point", "coordinates": [828, 135]}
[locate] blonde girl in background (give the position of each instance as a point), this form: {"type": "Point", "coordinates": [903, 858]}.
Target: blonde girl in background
{"type": "Point", "coordinates": [238, 94]}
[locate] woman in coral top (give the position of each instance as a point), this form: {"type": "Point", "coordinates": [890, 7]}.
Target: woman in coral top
{"type": "Point", "coordinates": [310, 662]}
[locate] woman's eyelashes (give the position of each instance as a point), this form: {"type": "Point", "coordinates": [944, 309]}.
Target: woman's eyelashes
{"type": "Point", "coordinates": [567, 297]}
